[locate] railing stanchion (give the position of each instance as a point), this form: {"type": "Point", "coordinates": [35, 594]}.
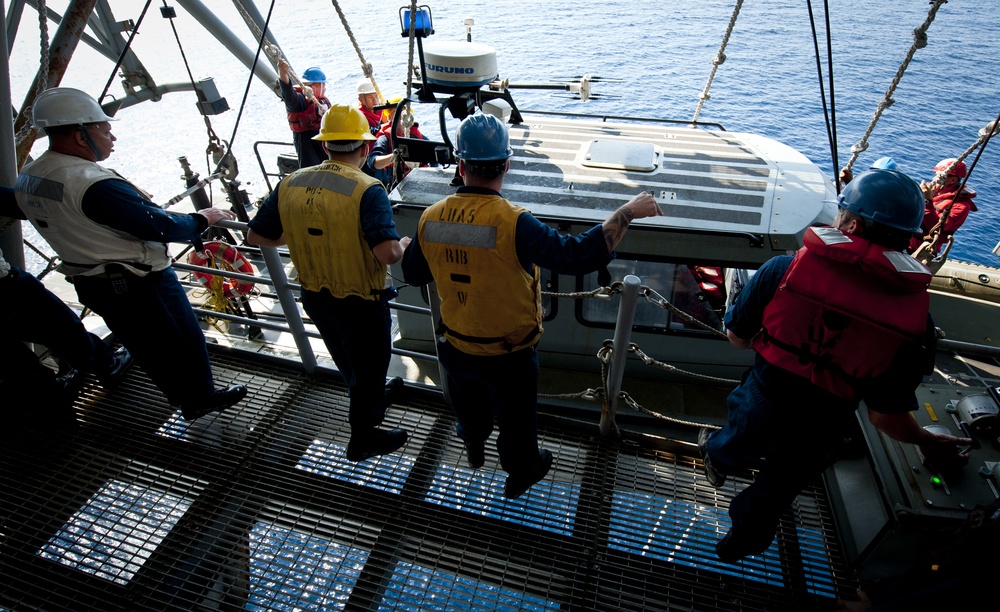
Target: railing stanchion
{"type": "Point", "coordinates": [619, 349]}
{"type": "Point", "coordinates": [276, 271]}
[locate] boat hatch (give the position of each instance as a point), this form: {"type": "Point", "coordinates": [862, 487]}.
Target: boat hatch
{"type": "Point", "coordinates": [621, 155]}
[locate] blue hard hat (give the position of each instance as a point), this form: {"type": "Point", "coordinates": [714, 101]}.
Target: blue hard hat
{"type": "Point", "coordinates": [313, 75]}
{"type": "Point", "coordinates": [884, 163]}
{"type": "Point", "coordinates": [888, 197]}
{"type": "Point", "coordinates": [482, 137]}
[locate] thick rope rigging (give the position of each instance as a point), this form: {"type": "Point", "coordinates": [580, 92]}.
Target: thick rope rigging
{"type": "Point", "coordinates": [718, 60]}
{"type": "Point", "coordinates": [410, 68]}
{"type": "Point", "coordinates": [919, 42]}
{"type": "Point", "coordinates": [43, 77]}
{"type": "Point", "coordinates": [270, 49]}
{"type": "Point", "coordinates": [28, 128]}
{"type": "Point", "coordinates": [366, 68]}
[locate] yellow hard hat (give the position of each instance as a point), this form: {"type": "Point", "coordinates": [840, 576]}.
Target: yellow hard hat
{"type": "Point", "coordinates": [387, 114]}
{"type": "Point", "coordinates": [343, 122]}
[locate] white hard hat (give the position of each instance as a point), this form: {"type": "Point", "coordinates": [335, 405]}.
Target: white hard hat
{"type": "Point", "coordinates": [66, 106]}
{"type": "Point", "coordinates": [365, 87]}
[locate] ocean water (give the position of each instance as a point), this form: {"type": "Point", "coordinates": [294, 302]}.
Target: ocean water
{"type": "Point", "coordinates": [659, 53]}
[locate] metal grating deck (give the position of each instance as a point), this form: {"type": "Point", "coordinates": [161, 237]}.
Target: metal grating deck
{"type": "Point", "coordinates": [258, 509]}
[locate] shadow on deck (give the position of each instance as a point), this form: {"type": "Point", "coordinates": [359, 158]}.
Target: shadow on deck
{"type": "Point", "coordinates": [258, 509]}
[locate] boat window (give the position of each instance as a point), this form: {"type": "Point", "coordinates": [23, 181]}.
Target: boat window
{"type": "Point", "coordinates": [696, 290]}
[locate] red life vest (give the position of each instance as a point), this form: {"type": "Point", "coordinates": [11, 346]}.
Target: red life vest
{"type": "Point", "coordinates": [308, 120]}
{"type": "Point", "coordinates": [843, 309]}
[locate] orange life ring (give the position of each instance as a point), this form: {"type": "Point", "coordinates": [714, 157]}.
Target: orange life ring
{"type": "Point", "coordinates": [216, 255]}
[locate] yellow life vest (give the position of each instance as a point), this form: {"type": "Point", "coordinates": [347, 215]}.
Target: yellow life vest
{"type": "Point", "coordinates": [489, 304]}
{"type": "Point", "coordinates": [320, 209]}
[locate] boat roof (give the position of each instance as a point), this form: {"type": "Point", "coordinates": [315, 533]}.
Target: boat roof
{"type": "Point", "coordinates": [755, 191]}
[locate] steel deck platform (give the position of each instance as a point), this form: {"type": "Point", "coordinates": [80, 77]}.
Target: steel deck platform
{"type": "Point", "coordinates": [258, 509]}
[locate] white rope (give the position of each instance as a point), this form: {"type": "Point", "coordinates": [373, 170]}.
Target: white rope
{"type": "Point", "coordinates": [989, 130]}
{"type": "Point", "coordinates": [719, 59]}
{"type": "Point", "coordinates": [410, 69]}
{"type": "Point", "coordinates": [919, 42]}
{"type": "Point", "coordinates": [43, 68]}
{"type": "Point", "coordinates": [366, 68]}
{"type": "Point", "coordinates": [271, 50]}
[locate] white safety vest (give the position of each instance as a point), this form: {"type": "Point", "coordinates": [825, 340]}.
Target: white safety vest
{"type": "Point", "coordinates": [50, 193]}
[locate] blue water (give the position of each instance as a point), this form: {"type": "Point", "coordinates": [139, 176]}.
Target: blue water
{"type": "Point", "coordinates": [660, 49]}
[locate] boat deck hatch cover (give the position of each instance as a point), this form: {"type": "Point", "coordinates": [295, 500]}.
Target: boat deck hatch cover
{"type": "Point", "coordinates": [621, 155]}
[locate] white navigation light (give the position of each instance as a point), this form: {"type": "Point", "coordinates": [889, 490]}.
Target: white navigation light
{"type": "Point", "coordinates": [459, 64]}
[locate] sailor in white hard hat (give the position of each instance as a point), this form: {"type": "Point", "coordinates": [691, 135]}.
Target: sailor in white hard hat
{"type": "Point", "coordinates": [368, 99]}
{"type": "Point", "coordinates": [111, 241]}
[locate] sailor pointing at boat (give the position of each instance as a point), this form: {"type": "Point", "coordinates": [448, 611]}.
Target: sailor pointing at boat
{"type": "Point", "coordinates": [484, 254]}
{"type": "Point", "coordinates": [111, 240]}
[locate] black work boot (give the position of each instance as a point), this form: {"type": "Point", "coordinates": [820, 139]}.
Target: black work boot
{"type": "Point", "coordinates": [375, 442]}
{"type": "Point", "coordinates": [515, 486]}
{"type": "Point", "coordinates": [475, 454]}
{"type": "Point", "coordinates": [121, 359]}
{"type": "Point", "coordinates": [715, 477]}
{"type": "Point", "coordinates": [217, 402]}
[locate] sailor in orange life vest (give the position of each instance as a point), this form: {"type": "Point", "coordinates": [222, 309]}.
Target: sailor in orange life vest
{"type": "Point", "coordinates": [485, 255]}
{"type": "Point", "coordinates": [337, 223]}
{"type": "Point", "coordinates": [791, 410]}
{"type": "Point", "coordinates": [305, 108]}
{"type": "Point", "coordinates": [367, 101]}
{"type": "Point", "coordinates": [940, 198]}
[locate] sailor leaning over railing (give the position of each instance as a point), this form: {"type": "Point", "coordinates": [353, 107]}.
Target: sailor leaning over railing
{"type": "Point", "coordinates": [111, 240]}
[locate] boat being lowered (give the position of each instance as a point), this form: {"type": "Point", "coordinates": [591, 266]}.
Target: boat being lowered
{"type": "Point", "coordinates": [257, 508]}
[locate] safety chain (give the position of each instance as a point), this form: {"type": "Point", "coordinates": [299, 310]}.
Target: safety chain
{"type": "Point", "coordinates": [603, 293]}
{"type": "Point", "coordinates": [43, 77]}
{"type": "Point", "coordinates": [718, 60]}
{"type": "Point", "coordinates": [215, 144]}
{"type": "Point", "coordinates": [366, 68]}
{"type": "Point", "coordinates": [919, 42]}
{"type": "Point", "coordinates": [633, 348]}
{"type": "Point", "coordinates": [604, 356]}
{"type": "Point", "coordinates": [662, 302]}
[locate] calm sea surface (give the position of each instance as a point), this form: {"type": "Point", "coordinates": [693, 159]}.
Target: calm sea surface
{"type": "Point", "coordinates": [661, 50]}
